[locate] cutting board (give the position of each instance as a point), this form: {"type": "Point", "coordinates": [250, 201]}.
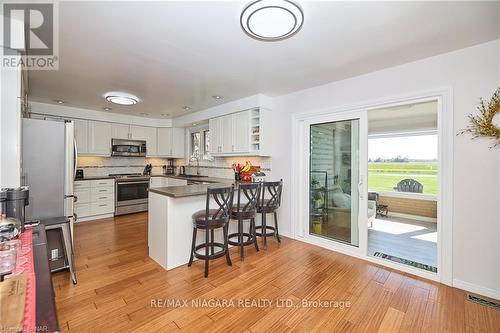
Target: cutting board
{"type": "Point", "coordinates": [12, 301]}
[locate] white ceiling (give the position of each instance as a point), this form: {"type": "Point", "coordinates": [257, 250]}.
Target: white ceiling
{"type": "Point", "coordinates": [172, 54]}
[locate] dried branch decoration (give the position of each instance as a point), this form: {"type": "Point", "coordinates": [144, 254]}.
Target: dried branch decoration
{"type": "Point", "coordinates": [482, 124]}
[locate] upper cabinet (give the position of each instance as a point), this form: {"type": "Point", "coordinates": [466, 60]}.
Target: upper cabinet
{"type": "Point", "coordinates": [82, 136]}
{"type": "Point", "coordinates": [151, 137]}
{"type": "Point", "coordinates": [171, 142]}
{"type": "Point", "coordinates": [137, 132]}
{"type": "Point", "coordinates": [239, 133]}
{"type": "Point", "coordinates": [120, 131]}
{"type": "Point", "coordinates": [128, 132]}
{"type": "Point", "coordinates": [93, 138]}
{"type": "Point", "coordinates": [99, 138]}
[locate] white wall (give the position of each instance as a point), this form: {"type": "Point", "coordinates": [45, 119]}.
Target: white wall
{"type": "Point", "coordinates": [471, 73]}
{"type": "Point", "coordinates": [72, 112]}
{"type": "Point", "coordinates": [10, 127]}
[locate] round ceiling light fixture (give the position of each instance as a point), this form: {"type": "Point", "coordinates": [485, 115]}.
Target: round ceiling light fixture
{"type": "Point", "coordinates": [272, 20]}
{"type": "Point", "coordinates": [121, 98]}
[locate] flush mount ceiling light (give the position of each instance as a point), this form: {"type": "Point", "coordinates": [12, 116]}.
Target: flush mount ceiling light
{"type": "Point", "coordinates": [58, 101]}
{"type": "Point", "coordinates": [186, 108]}
{"type": "Point", "coordinates": [165, 115]}
{"type": "Point", "coordinates": [217, 97]}
{"type": "Point", "coordinates": [121, 98]}
{"type": "Point", "coordinates": [271, 20]}
{"type": "Point", "coordinates": [106, 108]}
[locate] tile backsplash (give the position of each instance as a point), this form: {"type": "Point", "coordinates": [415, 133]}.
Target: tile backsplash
{"type": "Point", "coordinates": [103, 166]}
{"type": "Point", "coordinates": [220, 166]}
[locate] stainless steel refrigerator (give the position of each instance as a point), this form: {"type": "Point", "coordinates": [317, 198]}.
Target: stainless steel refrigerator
{"type": "Point", "coordinates": [48, 167]}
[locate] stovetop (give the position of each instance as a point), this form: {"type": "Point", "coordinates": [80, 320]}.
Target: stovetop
{"type": "Point", "coordinates": [129, 176]}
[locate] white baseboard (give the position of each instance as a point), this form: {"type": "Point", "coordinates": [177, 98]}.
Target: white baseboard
{"type": "Point", "coordinates": [473, 288]}
{"type": "Point", "coordinates": [95, 217]}
{"type": "Point", "coordinates": [414, 217]}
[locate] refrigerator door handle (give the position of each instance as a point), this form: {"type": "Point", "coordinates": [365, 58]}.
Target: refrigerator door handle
{"type": "Point", "coordinates": [75, 159]}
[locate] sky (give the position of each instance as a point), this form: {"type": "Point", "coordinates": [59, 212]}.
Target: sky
{"type": "Point", "coordinates": [422, 147]}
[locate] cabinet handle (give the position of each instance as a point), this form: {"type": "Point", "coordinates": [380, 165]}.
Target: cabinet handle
{"type": "Point", "coordinates": [102, 205]}
{"type": "Point", "coordinates": [102, 190]}
{"type": "Point", "coordinates": [170, 151]}
{"type": "Point", "coordinates": [102, 197]}
{"type": "Point", "coordinates": [232, 147]}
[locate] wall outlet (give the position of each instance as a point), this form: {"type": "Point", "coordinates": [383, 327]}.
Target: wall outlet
{"type": "Point", "coordinates": [54, 254]}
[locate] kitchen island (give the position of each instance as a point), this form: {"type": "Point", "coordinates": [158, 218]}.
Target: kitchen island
{"type": "Point", "coordinates": [170, 227]}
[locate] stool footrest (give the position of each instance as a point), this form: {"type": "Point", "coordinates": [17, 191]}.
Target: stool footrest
{"type": "Point", "coordinates": [268, 227]}
{"type": "Point", "coordinates": [216, 255]}
{"type": "Point", "coordinates": [237, 243]}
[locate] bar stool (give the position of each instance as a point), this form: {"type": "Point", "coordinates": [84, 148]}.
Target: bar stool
{"type": "Point", "coordinates": [210, 219]}
{"type": "Point", "coordinates": [269, 204]}
{"type": "Point", "coordinates": [245, 211]}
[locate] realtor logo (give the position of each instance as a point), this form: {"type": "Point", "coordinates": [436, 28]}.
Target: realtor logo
{"type": "Point", "coordinates": [29, 36]}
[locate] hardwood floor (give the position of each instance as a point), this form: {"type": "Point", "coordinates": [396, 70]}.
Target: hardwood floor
{"type": "Point", "coordinates": [117, 283]}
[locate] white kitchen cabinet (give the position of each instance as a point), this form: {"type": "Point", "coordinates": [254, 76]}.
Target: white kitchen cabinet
{"type": "Point", "coordinates": [137, 132]}
{"type": "Point", "coordinates": [215, 127]}
{"type": "Point", "coordinates": [227, 134]}
{"type": "Point", "coordinates": [178, 139]}
{"type": "Point", "coordinates": [171, 142]}
{"type": "Point", "coordinates": [100, 138]}
{"type": "Point", "coordinates": [157, 182]}
{"type": "Point", "coordinates": [164, 141]}
{"type": "Point", "coordinates": [120, 131]}
{"type": "Point", "coordinates": [175, 182]}
{"type": "Point", "coordinates": [96, 199]}
{"type": "Point", "coordinates": [237, 134]}
{"type": "Point", "coordinates": [82, 135]}
{"type": "Point", "coordinates": [151, 137]}
{"type": "Point", "coordinates": [241, 132]}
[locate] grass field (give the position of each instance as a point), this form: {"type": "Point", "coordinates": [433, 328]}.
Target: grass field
{"type": "Point", "coordinates": [385, 176]}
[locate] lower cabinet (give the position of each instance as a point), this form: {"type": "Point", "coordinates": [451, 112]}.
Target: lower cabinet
{"type": "Point", "coordinates": [166, 181]}
{"type": "Point", "coordinates": [95, 198]}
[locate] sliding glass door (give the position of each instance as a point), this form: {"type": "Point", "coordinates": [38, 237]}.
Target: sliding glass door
{"type": "Point", "coordinates": [334, 180]}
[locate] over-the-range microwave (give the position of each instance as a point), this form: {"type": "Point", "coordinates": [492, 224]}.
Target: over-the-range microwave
{"type": "Point", "coordinates": [128, 148]}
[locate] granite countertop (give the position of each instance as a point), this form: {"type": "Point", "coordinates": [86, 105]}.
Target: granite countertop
{"type": "Point", "coordinates": [188, 190]}
{"type": "Point", "coordinates": [196, 178]}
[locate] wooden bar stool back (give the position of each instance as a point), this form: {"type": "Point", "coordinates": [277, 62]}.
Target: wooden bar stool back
{"type": "Point", "coordinates": [245, 209]}
{"type": "Point", "coordinates": [269, 203]}
{"type": "Point", "coordinates": [209, 219]}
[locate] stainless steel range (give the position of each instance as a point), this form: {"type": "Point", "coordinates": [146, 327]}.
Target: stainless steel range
{"type": "Point", "coordinates": [131, 193]}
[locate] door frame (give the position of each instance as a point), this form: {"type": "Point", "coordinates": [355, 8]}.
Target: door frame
{"type": "Point", "coordinates": [300, 207]}
{"type": "Point", "coordinates": [303, 229]}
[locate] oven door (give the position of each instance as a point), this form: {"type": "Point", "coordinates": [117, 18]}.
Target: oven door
{"type": "Point", "coordinates": [131, 193]}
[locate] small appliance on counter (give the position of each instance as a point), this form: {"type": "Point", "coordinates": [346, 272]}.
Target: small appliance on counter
{"type": "Point", "coordinates": [14, 202]}
{"type": "Point", "coordinates": [169, 169]}
{"type": "Point", "coordinates": [79, 174]}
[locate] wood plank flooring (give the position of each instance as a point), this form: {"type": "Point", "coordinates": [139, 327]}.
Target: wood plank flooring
{"type": "Point", "coordinates": [117, 283]}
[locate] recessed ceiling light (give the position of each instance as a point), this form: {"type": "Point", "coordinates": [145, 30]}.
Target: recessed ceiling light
{"type": "Point", "coordinates": [58, 101]}
{"type": "Point", "coordinates": [106, 108]}
{"type": "Point", "coordinates": [121, 98]}
{"type": "Point", "coordinates": [186, 108]}
{"type": "Point", "coordinates": [165, 114]}
{"type": "Point", "coordinates": [217, 97]}
{"type": "Point", "coordinates": [271, 20]}
{"type": "Point", "coordinates": [144, 114]}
